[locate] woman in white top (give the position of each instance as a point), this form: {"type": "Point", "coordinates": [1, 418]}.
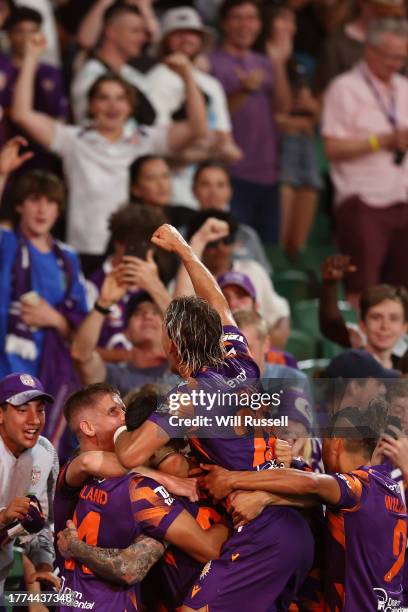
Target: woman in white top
{"type": "Point", "coordinates": [96, 160]}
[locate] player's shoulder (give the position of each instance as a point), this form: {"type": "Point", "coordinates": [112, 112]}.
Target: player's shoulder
{"type": "Point", "coordinates": [45, 448]}
{"type": "Point", "coordinates": [146, 489]}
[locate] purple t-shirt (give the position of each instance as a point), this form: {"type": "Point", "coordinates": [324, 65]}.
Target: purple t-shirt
{"type": "Point", "coordinates": [49, 98]}
{"type": "Point", "coordinates": [367, 532]}
{"type": "Point", "coordinates": [112, 513]}
{"type": "Point", "coordinates": [253, 123]}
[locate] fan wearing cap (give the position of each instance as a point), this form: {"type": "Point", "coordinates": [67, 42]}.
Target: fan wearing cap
{"type": "Point", "coordinates": [184, 33]}
{"type": "Point", "coordinates": [49, 95]}
{"type": "Point", "coordinates": [144, 358]}
{"type": "Point", "coordinates": [357, 379]}
{"type": "Point", "coordinates": [28, 465]}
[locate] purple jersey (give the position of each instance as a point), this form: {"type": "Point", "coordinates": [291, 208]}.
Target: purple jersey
{"type": "Point", "coordinates": [216, 441]}
{"type": "Point", "coordinates": [367, 531]}
{"type": "Point", "coordinates": [170, 579]}
{"type": "Point", "coordinates": [112, 514]}
{"type": "Point", "coordinates": [267, 560]}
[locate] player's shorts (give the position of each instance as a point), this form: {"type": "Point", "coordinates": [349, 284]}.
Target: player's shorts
{"type": "Point", "coordinates": [261, 567]}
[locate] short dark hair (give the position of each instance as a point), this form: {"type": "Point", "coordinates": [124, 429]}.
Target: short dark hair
{"type": "Point", "coordinates": [201, 217]}
{"type": "Point", "coordinates": [207, 165]}
{"type": "Point", "coordinates": [137, 166]}
{"type": "Point", "coordinates": [85, 396]}
{"type": "Point", "coordinates": [195, 328]}
{"type": "Point", "coordinates": [111, 77]}
{"type": "Point", "coordinates": [37, 183]}
{"type": "Point", "coordinates": [364, 427]}
{"type": "Point", "coordinates": [378, 293]}
{"type": "Point", "coordinates": [140, 404]}
{"type": "Point", "coordinates": [228, 5]}
{"type": "Point", "coordinates": [22, 13]}
{"type": "Point", "coordinates": [117, 9]}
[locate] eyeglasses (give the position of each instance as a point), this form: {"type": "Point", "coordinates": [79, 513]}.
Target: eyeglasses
{"type": "Point", "coordinates": [226, 240]}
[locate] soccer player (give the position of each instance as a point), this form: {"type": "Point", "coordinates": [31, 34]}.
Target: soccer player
{"type": "Point", "coordinates": [267, 560]}
{"type": "Point", "coordinates": [366, 516]}
{"type": "Point", "coordinates": [113, 512]}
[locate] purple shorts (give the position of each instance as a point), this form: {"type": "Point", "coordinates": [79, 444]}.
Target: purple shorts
{"type": "Point", "coordinates": [262, 565]}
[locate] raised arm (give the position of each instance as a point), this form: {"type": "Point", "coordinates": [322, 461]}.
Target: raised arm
{"type": "Point", "coordinates": [124, 566]}
{"type": "Point", "coordinates": [285, 481]}
{"type": "Point", "coordinates": [211, 230]}
{"type": "Point", "coordinates": [87, 360]}
{"type": "Point", "coordinates": [332, 323]}
{"type": "Point", "coordinates": [182, 133]}
{"type": "Point", "coordinates": [205, 285]}
{"type": "Point", "coordinates": [39, 126]}
{"type": "Point", "coordinates": [11, 159]}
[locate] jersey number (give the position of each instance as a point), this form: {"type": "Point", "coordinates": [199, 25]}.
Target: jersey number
{"type": "Point", "coordinates": [398, 549]}
{"type": "Point", "coordinates": [87, 531]}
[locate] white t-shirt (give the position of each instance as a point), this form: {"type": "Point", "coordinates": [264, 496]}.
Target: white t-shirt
{"type": "Point", "coordinates": [87, 76]}
{"type": "Point", "coordinates": [97, 172]}
{"type": "Point", "coordinates": [34, 472]}
{"type": "Point", "coordinates": [167, 92]}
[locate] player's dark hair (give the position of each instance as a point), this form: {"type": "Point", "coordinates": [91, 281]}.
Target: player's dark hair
{"type": "Point", "coordinates": [117, 9]}
{"type": "Point", "coordinates": [195, 328]}
{"type": "Point", "coordinates": [37, 183]}
{"type": "Point", "coordinates": [228, 5]}
{"type": "Point", "coordinates": [208, 165]}
{"type": "Point", "coordinates": [378, 293]}
{"type": "Point", "coordinates": [111, 77]}
{"type": "Point", "coordinates": [85, 396]}
{"type": "Point", "coordinates": [360, 428]}
{"type": "Point", "coordinates": [140, 404]}
{"type": "Point", "coordinates": [137, 166]}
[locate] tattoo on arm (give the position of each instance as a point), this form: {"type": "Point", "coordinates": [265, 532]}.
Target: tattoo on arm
{"type": "Point", "coordinates": [119, 565]}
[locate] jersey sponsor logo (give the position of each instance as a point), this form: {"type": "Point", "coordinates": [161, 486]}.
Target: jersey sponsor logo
{"type": "Point", "coordinates": [73, 598]}
{"type": "Point", "coordinates": [234, 556]}
{"type": "Point", "coordinates": [234, 337]}
{"type": "Point", "coordinates": [195, 590]}
{"type": "Point", "coordinates": [235, 382]}
{"type": "Point", "coordinates": [27, 380]}
{"type": "Point", "coordinates": [205, 571]}
{"type": "Point", "coordinates": [35, 475]}
{"type": "Point", "coordinates": [168, 499]}
{"type": "Point", "coordinates": [387, 603]}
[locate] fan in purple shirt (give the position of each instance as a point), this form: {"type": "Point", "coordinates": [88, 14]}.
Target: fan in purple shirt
{"type": "Point", "coordinates": [267, 561]}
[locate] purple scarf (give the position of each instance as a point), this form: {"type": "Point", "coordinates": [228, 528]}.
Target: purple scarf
{"type": "Point", "coordinates": [56, 370]}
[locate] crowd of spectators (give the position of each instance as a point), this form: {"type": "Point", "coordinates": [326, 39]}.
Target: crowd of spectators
{"type": "Point", "coordinates": [245, 124]}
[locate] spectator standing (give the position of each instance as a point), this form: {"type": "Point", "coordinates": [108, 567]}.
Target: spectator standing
{"type": "Point", "coordinates": [49, 96]}
{"type": "Point", "coordinates": [122, 38]}
{"type": "Point", "coordinates": [257, 89]}
{"type": "Point", "coordinates": [345, 47]}
{"type": "Point", "coordinates": [183, 32]}
{"type": "Point", "coordinates": [46, 9]}
{"type": "Point", "coordinates": [213, 190]}
{"type": "Point", "coordinates": [96, 161]}
{"type": "Point", "coordinates": [365, 126]}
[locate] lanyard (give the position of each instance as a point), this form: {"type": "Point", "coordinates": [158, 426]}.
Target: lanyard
{"type": "Point", "coordinates": [390, 112]}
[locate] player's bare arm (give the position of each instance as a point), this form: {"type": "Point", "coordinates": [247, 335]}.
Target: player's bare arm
{"type": "Point", "coordinates": [202, 545]}
{"type": "Point", "coordinates": [286, 481]}
{"type": "Point", "coordinates": [124, 566]}
{"type": "Point", "coordinates": [205, 285]}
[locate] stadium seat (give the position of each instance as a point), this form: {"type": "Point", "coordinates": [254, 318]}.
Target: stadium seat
{"type": "Point", "coordinates": [301, 345]}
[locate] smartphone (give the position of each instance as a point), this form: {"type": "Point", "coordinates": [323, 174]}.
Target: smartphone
{"type": "Point", "coordinates": [137, 249]}
{"type": "Point", "coordinates": [395, 422]}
